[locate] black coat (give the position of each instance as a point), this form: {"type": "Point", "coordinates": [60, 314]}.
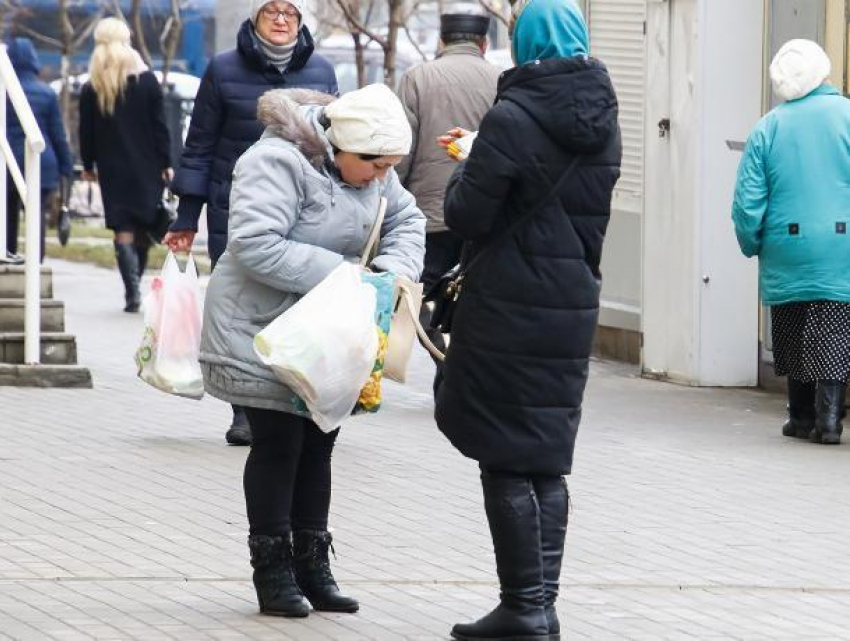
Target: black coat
{"type": "Point", "coordinates": [522, 333]}
{"type": "Point", "coordinates": [130, 150]}
{"type": "Point", "coordinates": [224, 124]}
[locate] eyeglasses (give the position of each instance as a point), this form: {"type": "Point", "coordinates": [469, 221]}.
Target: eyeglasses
{"type": "Point", "coordinates": [273, 13]}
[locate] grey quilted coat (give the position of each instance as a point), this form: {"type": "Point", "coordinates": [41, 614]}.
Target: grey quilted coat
{"type": "Point", "coordinates": [292, 221]}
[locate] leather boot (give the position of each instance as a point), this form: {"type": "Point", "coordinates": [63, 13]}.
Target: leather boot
{"type": "Point", "coordinates": [277, 592]}
{"type": "Point", "coordinates": [553, 497]}
{"type": "Point", "coordinates": [128, 265]}
{"type": "Point", "coordinates": [829, 405]}
{"type": "Point", "coordinates": [239, 432]}
{"type": "Point", "coordinates": [142, 255]}
{"type": "Point", "coordinates": [313, 572]}
{"type": "Point", "coordinates": [801, 409]}
{"type": "Point", "coordinates": [514, 518]}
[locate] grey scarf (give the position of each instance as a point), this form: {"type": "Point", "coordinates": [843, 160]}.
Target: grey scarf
{"type": "Point", "coordinates": [278, 55]}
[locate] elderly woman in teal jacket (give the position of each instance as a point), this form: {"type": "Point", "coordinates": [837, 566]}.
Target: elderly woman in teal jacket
{"type": "Point", "coordinates": [792, 209]}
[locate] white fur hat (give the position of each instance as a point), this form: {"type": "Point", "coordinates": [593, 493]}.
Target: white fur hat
{"type": "Point", "coordinates": [800, 67]}
{"type": "Point", "coordinates": [257, 5]}
{"type": "Point", "coordinates": [370, 121]}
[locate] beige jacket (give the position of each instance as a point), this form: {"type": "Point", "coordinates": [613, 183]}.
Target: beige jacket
{"type": "Point", "coordinates": [455, 90]}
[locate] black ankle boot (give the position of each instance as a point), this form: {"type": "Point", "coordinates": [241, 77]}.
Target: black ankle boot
{"type": "Point", "coordinates": [277, 592]}
{"type": "Point", "coordinates": [801, 409]}
{"type": "Point", "coordinates": [514, 519]}
{"type": "Point", "coordinates": [554, 501]}
{"type": "Point", "coordinates": [239, 432]}
{"type": "Point", "coordinates": [313, 572]}
{"type": "Point", "coordinates": [128, 265]}
{"type": "Point", "coordinates": [829, 405]}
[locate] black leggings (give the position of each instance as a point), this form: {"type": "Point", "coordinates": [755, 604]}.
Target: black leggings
{"type": "Point", "coordinates": [288, 473]}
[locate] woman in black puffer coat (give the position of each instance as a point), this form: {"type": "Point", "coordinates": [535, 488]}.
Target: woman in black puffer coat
{"type": "Point", "coordinates": [523, 329]}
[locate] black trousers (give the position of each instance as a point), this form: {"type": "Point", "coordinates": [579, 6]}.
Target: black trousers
{"type": "Point", "coordinates": [287, 474]}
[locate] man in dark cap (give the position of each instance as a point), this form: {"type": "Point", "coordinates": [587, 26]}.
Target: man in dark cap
{"type": "Point", "coordinates": [454, 90]}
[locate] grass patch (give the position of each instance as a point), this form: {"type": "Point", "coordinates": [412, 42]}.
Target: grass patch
{"type": "Point", "coordinates": [80, 230]}
{"type": "Point", "coordinates": [104, 255]}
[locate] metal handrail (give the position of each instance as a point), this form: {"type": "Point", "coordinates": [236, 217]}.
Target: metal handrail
{"type": "Point", "coordinates": [29, 188]}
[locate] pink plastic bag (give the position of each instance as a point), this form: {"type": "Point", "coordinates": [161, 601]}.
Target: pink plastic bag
{"type": "Point", "coordinates": [167, 358]}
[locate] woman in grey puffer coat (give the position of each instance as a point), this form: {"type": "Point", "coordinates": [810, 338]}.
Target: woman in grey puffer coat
{"type": "Point", "coordinates": [304, 199]}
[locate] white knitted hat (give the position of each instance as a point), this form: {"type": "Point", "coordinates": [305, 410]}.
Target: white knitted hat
{"type": "Point", "coordinates": [370, 121]}
{"type": "Point", "coordinates": [800, 67]}
{"type": "Point", "coordinates": [257, 5]}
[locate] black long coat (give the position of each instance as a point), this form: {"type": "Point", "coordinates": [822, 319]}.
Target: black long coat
{"type": "Point", "coordinates": [522, 333]}
{"type": "Point", "coordinates": [129, 148]}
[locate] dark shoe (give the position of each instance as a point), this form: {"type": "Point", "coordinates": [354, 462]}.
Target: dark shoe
{"type": "Point", "coordinates": [829, 405]}
{"type": "Point", "coordinates": [514, 518]}
{"type": "Point", "coordinates": [553, 497]}
{"type": "Point", "coordinates": [277, 592]}
{"type": "Point", "coordinates": [240, 430]}
{"type": "Point", "coordinates": [313, 572]}
{"type": "Point", "coordinates": [128, 265]}
{"type": "Point", "coordinates": [801, 409]}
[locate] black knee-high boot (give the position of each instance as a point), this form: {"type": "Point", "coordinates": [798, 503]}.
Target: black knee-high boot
{"type": "Point", "coordinates": [801, 409]}
{"type": "Point", "coordinates": [128, 265]}
{"type": "Point", "coordinates": [829, 405]}
{"type": "Point", "coordinates": [514, 518]}
{"type": "Point", "coordinates": [142, 254]}
{"type": "Point", "coordinates": [554, 501]}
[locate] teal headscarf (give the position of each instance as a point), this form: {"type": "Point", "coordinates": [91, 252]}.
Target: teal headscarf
{"type": "Point", "coordinates": [549, 29]}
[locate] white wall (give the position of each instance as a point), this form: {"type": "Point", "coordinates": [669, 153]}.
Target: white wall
{"type": "Point", "coordinates": [705, 70]}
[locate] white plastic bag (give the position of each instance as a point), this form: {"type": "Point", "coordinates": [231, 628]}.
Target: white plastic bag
{"type": "Point", "coordinates": [168, 356]}
{"type": "Point", "coordinates": [324, 347]}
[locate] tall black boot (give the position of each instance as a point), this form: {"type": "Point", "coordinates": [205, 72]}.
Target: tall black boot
{"type": "Point", "coordinates": [128, 265]}
{"type": "Point", "coordinates": [514, 518]}
{"type": "Point", "coordinates": [142, 255]}
{"type": "Point", "coordinates": [829, 405]}
{"type": "Point", "coordinates": [553, 498]}
{"type": "Point", "coordinates": [313, 572]}
{"type": "Point", "coordinates": [277, 592]}
{"type": "Point", "coordinates": [801, 409]}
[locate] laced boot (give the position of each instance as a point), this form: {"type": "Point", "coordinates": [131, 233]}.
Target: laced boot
{"type": "Point", "coordinates": [313, 572]}
{"type": "Point", "coordinates": [277, 592]}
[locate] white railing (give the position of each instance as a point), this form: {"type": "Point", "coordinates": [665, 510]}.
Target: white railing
{"type": "Point", "coordinates": [29, 188]}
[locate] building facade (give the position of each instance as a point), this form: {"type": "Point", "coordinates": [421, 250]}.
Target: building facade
{"type": "Point", "coordinates": [692, 79]}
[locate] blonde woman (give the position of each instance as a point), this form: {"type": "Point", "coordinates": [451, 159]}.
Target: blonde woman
{"type": "Point", "coordinates": [124, 145]}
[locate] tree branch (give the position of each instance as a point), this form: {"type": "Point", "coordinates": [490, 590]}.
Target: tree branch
{"type": "Point", "coordinates": [493, 12]}
{"type": "Point", "coordinates": [355, 24]}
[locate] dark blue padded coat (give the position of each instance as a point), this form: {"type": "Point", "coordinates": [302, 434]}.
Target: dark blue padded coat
{"type": "Point", "coordinates": [56, 161]}
{"type": "Point", "coordinates": [224, 124]}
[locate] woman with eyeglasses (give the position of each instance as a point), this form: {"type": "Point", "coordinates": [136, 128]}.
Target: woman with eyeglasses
{"type": "Point", "coordinates": [274, 51]}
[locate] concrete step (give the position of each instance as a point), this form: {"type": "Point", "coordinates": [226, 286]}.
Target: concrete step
{"type": "Point", "coordinates": [12, 315]}
{"type": "Point", "coordinates": [56, 348]}
{"type": "Point", "coordinates": [44, 376]}
{"type": "Point", "coordinates": [12, 281]}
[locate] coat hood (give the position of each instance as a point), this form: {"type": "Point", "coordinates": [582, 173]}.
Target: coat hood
{"type": "Point", "coordinates": [23, 55]}
{"type": "Point", "coordinates": [295, 115]}
{"type": "Point", "coordinates": [571, 99]}
{"type": "Point", "coordinates": [248, 48]}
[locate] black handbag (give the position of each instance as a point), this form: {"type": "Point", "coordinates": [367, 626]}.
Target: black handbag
{"type": "Point", "coordinates": [445, 292]}
{"type": "Point", "coordinates": [166, 213]}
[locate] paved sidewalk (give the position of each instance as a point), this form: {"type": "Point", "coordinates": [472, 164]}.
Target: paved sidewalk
{"type": "Point", "coordinates": [121, 513]}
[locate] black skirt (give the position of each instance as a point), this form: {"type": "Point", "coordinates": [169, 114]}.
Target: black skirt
{"type": "Point", "coordinates": [811, 341]}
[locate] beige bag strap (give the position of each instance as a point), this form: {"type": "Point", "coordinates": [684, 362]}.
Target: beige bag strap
{"type": "Point", "coordinates": [410, 306]}
{"type": "Point", "coordinates": [371, 248]}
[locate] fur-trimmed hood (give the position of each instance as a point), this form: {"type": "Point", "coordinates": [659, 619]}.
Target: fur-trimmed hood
{"type": "Point", "coordinates": [295, 115]}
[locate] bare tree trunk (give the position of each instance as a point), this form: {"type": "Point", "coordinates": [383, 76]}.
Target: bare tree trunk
{"type": "Point", "coordinates": [139, 33]}
{"type": "Point", "coordinates": [359, 58]}
{"type": "Point", "coordinates": [171, 39]}
{"type": "Point", "coordinates": [396, 22]}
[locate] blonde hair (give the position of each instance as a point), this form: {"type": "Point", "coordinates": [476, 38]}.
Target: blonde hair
{"type": "Point", "coordinates": [112, 61]}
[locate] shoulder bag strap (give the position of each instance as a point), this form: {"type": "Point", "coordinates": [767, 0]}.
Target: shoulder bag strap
{"type": "Point", "coordinates": [506, 235]}
{"type": "Point", "coordinates": [371, 248]}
